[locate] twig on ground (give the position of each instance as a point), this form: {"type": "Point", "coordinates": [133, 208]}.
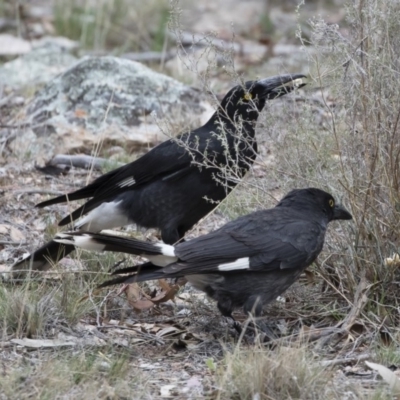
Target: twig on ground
{"type": "Point", "coordinates": [10, 242]}
{"type": "Point", "coordinates": [79, 161]}
{"type": "Point", "coordinates": [340, 361]}
{"type": "Point", "coordinates": [360, 300]}
{"type": "Point", "coordinates": [38, 191]}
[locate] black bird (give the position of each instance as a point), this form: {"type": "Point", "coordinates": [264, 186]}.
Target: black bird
{"type": "Point", "coordinates": [178, 182]}
{"type": "Point", "coordinates": [247, 263]}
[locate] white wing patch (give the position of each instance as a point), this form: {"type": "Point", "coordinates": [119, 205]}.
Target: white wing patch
{"type": "Point", "coordinates": [83, 241]}
{"type": "Point", "coordinates": [127, 182]}
{"type": "Point", "coordinates": [105, 216]}
{"type": "Point", "coordinates": [240, 263]}
{"type": "Point", "coordinates": [166, 257]}
{"type": "Point", "coordinates": [166, 249]}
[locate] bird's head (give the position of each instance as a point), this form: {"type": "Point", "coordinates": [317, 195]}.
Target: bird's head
{"type": "Point", "coordinates": [247, 100]}
{"type": "Point", "coordinates": [317, 201]}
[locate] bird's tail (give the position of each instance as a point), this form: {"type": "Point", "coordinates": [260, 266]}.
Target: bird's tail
{"type": "Point", "coordinates": [138, 273]}
{"type": "Point", "coordinates": [42, 259]}
{"type": "Point", "coordinates": [159, 254]}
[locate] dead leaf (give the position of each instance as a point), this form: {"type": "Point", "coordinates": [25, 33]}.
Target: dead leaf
{"type": "Point", "coordinates": [80, 113]}
{"type": "Point", "coordinates": [16, 235]}
{"type": "Point", "coordinates": [140, 301]}
{"type": "Point", "coordinates": [169, 292]}
{"type": "Point", "coordinates": [165, 296]}
{"type": "Point", "coordinates": [164, 285]}
{"type": "Point", "coordinates": [167, 330]}
{"type": "Point", "coordinates": [4, 229]}
{"type": "Point", "coordinates": [136, 298]}
{"type": "Point", "coordinates": [387, 375]}
{"type": "Point", "coordinates": [141, 305]}
{"type": "Point", "coordinates": [143, 327]}
{"type": "Point", "coordinates": [310, 277]}
{"type": "Point", "coordinates": [393, 261]}
{"type": "Point", "coordinates": [194, 381]}
{"type": "Point", "coordinates": [165, 391]}
{"type": "Point", "coordinates": [133, 292]}
{"type": "Point", "coordinates": [4, 268]}
{"type": "Point", "coordinates": [84, 298]}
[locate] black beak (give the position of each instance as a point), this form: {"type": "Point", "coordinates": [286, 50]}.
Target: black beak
{"type": "Point", "coordinates": [277, 86]}
{"type": "Point", "coordinates": [339, 212]}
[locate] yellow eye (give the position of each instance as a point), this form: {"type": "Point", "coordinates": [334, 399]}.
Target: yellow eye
{"type": "Point", "coordinates": [331, 203]}
{"type": "Point", "coordinates": [247, 96]}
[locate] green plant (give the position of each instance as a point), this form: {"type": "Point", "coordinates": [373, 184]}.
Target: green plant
{"type": "Point", "coordinates": [123, 25]}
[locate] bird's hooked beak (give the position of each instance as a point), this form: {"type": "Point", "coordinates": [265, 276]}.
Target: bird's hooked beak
{"type": "Point", "coordinates": [339, 212]}
{"type": "Point", "coordinates": [277, 86]}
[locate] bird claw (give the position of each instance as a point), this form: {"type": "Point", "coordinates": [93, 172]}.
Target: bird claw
{"type": "Point", "coordinates": [258, 331]}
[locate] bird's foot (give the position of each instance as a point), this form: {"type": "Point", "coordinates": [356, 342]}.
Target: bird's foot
{"type": "Point", "coordinates": [260, 331]}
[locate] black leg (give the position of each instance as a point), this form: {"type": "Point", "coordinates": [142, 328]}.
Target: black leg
{"type": "Point", "coordinates": [263, 328]}
{"type": "Point", "coordinates": [236, 325]}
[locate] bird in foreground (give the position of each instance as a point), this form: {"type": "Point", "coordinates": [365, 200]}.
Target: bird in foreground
{"type": "Point", "coordinates": [247, 263]}
{"type": "Point", "coordinates": [176, 183]}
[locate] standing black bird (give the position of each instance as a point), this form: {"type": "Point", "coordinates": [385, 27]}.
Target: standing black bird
{"type": "Point", "coordinates": [247, 263]}
{"type": "Point", "coordinates": [178, 182]}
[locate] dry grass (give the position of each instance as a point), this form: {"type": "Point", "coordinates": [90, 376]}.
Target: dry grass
{"type": "Point", "coordinates": [294, 372]}
{"type": "Point", "coordinates": [350, 145]}
{"type": "Point", "coordinates": [286, 373]}
{"type": "Point", "coordinates": [81, 374]}
{"type": "Point", "coordinates": [37, 307]}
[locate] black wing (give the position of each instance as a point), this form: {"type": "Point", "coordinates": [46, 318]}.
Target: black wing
{"type": "Point", "coordinates": [171, 160]}
{"type": "Point", "coordinates": [164, 159]}
{"type": "Point", "coordinates": [269, 239]}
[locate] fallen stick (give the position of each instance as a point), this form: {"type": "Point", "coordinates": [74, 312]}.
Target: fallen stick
{"type": "Point", "coordinates": [12, 243]}
{"type": "Point", "coordinates": [340, 361]}
{"type": "Point", "coordinates": [38, 191]}
{"type": "Point", "coordinates": [79, 161]}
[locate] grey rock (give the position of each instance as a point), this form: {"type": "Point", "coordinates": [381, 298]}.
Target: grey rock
{"type": "Point", "coordinates": [44, 62]}
{"type": "Point", "coordinates": [11, 45]}
{"type": "Point", "coordinates": [108, 99]}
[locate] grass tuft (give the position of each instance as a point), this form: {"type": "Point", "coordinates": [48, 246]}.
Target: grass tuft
{"type": "Point", "coordinates": [286, 373]}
